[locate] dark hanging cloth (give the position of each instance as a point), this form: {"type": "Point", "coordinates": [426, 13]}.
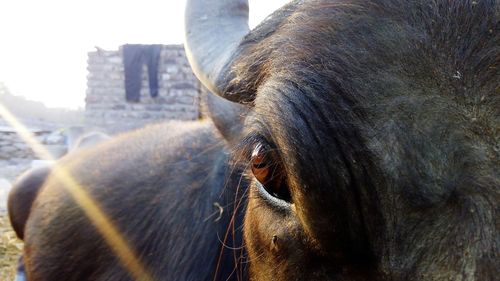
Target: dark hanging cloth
{"type": "Point", "coordinates": [134, 56]}
{"type": "Point", "coordinates": [152, 58]}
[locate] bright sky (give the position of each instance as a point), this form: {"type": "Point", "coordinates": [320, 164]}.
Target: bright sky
{"type": "Point", "coordinates": [44, 44]}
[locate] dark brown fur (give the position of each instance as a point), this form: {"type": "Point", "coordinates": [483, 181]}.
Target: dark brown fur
{"type": "Point", "coordinates": [22, 195]}
{"type": "Point", "coordinates": [385, 118]}
{"type": "Point", "coordinates": [161, 190]}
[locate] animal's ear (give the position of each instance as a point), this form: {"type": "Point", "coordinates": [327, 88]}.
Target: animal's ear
{"type": "Point", "coordinates": [227, 116]}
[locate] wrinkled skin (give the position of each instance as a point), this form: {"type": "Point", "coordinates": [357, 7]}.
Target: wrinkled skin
{"type": "Point", "coordinates": [384, 120]}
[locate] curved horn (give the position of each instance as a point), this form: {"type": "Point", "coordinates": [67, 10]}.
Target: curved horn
{"type": "Point", "coordinates": [213, 31]}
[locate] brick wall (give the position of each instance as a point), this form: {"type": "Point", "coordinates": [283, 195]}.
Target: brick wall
{"type": "Point", "coordinates": [107, 108]}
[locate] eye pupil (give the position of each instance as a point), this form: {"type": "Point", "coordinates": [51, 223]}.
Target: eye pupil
{"type": "Point", "coordinates": [260, 167]}
{"type": "Point", "coordinates": [266, 170]}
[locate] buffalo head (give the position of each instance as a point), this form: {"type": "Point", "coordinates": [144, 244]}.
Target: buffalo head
{"type": "Point", "coordinates": [371, 133]}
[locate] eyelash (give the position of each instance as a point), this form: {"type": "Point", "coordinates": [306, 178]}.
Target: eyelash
{"type": "Point", "coordinates": [269, 175]}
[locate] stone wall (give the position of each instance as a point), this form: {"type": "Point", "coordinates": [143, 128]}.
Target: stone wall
{"type": "Point", "coordinates": [16, 156]}
{"type": "Point", "coordinates": [107, 108]}
{"type": "Point", "coordinates": [13, 147]}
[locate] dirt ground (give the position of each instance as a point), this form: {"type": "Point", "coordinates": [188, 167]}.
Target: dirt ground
{"type": "Point", "coordinates": [10, 249]}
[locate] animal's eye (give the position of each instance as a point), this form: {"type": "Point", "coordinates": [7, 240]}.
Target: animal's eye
{"type": "Point", "coordinates": [268, 171]}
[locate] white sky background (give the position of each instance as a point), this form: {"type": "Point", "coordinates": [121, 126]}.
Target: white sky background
{"type": "Point", "coordinates": [44, 44]}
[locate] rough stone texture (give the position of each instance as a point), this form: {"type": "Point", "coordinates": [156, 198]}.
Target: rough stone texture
{"type": "Point", "coordinates": [12, 146]}
{"type": "Point", "coordinates": [107, 108]}
{"type": "Point", "coordinates": [16, 155]}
